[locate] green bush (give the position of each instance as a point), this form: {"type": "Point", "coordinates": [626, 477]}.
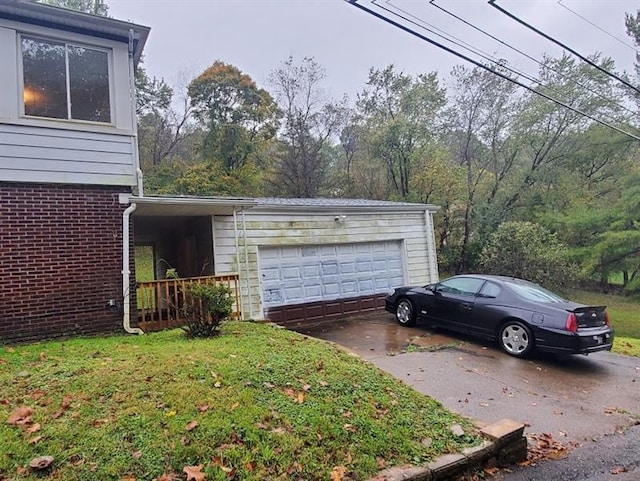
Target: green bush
{"type": "Point", "coordinates": [206, 306]}
{"type": "Point", "coordinates": [528, 251]}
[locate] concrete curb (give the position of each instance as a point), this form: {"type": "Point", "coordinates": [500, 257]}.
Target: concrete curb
{"type": "Point", "coordinates": [504, 444]}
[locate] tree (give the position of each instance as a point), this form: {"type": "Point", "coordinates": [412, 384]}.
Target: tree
{"type": "Point", "coordinates": [528, 251]}
{"type": "Point", "coordinates": [310, 120]}
{"type": "Point", "coordinates": [401, 116]}
{"type": "Point", "coordinates": [238, 117]}
{"type": "Point", "coordinates": [94, 7]}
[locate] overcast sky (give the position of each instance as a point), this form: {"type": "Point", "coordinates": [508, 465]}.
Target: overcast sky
{"type": "Point", "coordinates": [257, 35]}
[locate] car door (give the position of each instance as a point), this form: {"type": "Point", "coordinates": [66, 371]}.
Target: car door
{"type": "Point", "coordinates": [453, 301]}
{"type": "Point", "coordinates": [485, 314]}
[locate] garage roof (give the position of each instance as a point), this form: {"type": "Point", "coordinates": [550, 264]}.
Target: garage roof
{"type": "Point", "coordinates": [344, 204]}
{"type": "Point", "coordinates": [191, 205]}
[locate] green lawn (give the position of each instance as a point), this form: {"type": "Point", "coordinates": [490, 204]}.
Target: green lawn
{"type": "Point", "coordinates": [624, 313]}
{"type": "Point", "coordinates": [258, 402]}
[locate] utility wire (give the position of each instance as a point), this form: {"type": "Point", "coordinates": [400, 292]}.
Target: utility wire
{"type": "Point", "coordinates": [564, 46]}
{"type": "Point", "coordinates": [483, 66]}
{"type": "Point", "coordinates": [459, 43]}
{"type": "Point", "coordinates": [597, 26]}
{"type": "Point", "coordinates": [530, 57]}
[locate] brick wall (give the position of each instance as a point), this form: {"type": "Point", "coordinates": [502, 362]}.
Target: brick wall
{"type": "Point", "coordinates": [60, 260]}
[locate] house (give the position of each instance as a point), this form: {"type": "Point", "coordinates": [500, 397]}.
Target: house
{"type": "Point", "coordinates": [73, 209]}
{"type": "Point", "coordinates": [67, 151]}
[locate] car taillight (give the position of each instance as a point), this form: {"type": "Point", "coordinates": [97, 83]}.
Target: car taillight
{"type": "Point", "coordinates": [607, 321]}
{"type": "Point", "coordinates": [572, 324]}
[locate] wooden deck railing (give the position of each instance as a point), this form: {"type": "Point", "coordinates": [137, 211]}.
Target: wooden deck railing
{"type": "Point", "coordinates": [160, 302]}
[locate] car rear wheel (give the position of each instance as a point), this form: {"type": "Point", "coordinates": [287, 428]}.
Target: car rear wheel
{"type": "Point", "coordinates": [516, 339]}
{"type": "Point", "coordinates": [405, 313]}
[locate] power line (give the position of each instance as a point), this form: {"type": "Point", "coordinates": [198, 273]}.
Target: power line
{"type": "Point", "coordinates": [530, 57]}
{"type": "Point", "coordinates": [458, 42]}
{"type": "Point", "coordinates": [564, 46]}
{"type": "Point", "coordinates": [483, 66]}
{"type": "Point", "coordinates": [597, 26]}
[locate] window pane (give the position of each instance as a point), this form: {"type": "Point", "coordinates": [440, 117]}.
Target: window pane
{"type": "Point", "coordinates": [44, 73]}
{"type": "Point", "coordinates": [89, 84]}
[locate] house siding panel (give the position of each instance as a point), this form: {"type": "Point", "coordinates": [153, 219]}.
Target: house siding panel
{"type": "Point", "coordinates": [38, 154]}
{"type": "Point", "coordinates": [61, 250]}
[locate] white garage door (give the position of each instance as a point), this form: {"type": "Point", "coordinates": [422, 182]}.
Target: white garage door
{"type": "Point", "coordinates": [301, 274]}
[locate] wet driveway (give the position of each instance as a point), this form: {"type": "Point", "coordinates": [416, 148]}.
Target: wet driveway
{"type": "Point", "coordinates": [572, 398]}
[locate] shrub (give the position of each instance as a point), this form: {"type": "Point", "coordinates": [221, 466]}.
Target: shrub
{"type": "Point", "coordinates": [206, 306]}
{"type": "Point", "coordinates": [528, 251]}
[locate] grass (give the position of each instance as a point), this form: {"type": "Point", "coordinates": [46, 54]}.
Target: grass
{"type": "Point", "coordinates": [624, 313]}
{"type": "Point", "coordinates": [256, 403]}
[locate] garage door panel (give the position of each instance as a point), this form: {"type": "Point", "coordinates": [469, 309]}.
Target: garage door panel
{"type": "Point", "coordinates": [302, 274]}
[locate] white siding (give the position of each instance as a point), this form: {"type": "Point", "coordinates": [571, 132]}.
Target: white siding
{"type": "Point", "coordinates": [297, 229]}
{"type": "Point", "coordinates": [36, 154]}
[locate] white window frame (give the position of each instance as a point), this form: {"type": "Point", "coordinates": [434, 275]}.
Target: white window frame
{"type": "Point", "coordinates": [67, 43]}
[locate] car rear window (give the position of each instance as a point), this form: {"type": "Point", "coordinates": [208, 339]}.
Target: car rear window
{"type": "Point", "coordinates": [533, 292]}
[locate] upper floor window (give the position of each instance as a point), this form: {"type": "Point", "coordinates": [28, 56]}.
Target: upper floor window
{"type": "Point", "coordinates": [64, 81]}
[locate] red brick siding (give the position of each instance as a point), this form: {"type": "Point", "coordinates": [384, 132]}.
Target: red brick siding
{"type": "Point", "coordinates": [60, 260]}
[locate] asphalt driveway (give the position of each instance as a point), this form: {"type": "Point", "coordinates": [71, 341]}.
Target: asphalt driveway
{"type": "Point", "coordinates": [574, 399]}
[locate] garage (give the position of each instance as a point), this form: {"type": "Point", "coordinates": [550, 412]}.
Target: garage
{"type": "Point", "coordinates": [307, 260]}
{"type": "Point", "coordinates": [303, 278]}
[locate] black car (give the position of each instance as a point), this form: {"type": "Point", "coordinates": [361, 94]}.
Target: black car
{"type": "Point", "coordinates": [520, 315]}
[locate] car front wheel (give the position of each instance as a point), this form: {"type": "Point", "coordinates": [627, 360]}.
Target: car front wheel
{"type": "Point", "coordinates": [516, 339]}
{"type": "Point", "coordinates": [405, 313]}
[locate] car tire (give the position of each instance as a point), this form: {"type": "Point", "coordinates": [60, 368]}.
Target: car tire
{"type": "Point", "coordinates": [516, 339]}
{"type": "Point", "coordinates": [406, 313]}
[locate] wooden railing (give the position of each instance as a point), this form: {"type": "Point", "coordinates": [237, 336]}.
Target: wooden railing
{"type": "Point", "coordinates": [160, 302]}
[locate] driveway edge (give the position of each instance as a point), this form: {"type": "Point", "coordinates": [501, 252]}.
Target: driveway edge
{"type": "Point", "coordinates": [504, 444]}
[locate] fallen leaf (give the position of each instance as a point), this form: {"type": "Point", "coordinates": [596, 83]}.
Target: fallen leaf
{"type": "Point", "coordinates": [192, 425]}
{"type": "Point", "coordinates": [66, 402]}
{"type": "Point", "coordinates": [269, 385]}
{"type": "Point", "coordinates": [381, 463]}
{"type": "Point", "coordinates": [323, 383]}
{"type": "Point", "coordinates": [10, 349]}
{"type": "Point", "coordinates": [203, 407]}
{"type": "Point", "coordinates": [194, 473]}
{"type": "Point", "coordinates": [300, 398]}
{"type": "Point", "coordinates": [338, 473]}
{"type": "Point", "coordinates": [21, 415]}
{"type": "Point", "coordinates": [491, 471]}
{"type": "Point", "coordinates": [33, 428]}
{"type": "Point", "coordinates": [57, 414]}
{"type": "Point", "coordinates": [42, 462]}
{"type": "Point", "coordinates": [217, 384]}
{"type": "Point", "coordinates": [235, 405]}
{"type": "Point", "coordinates": [306, 387]}
{"type": "Point", "coordinates": [137, 454]}
{"type": "Point", "coordinates": [619, 470]}
{"type": "Point", "coordinates": [167, 477]}
{"type": "Point", "coordinates": [170, 414]}
{"type": "Point", "coordinates": [35, 440]}
{"type": "Point", "coordinates": [128, 477]}
{"type": "Point", "coordinates": [43, 356]}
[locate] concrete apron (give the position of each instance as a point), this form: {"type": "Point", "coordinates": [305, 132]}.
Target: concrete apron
{"type": "Point", "coordinates": [573, 399]}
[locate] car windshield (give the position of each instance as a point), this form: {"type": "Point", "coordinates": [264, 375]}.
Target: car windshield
{"type": "Point", "coordinates": [533, 292]}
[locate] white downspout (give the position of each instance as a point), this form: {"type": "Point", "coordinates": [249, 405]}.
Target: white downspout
{"type": "Point", "coordinates": [235, 232]}
{"type": "Point", "coordinates": [126, 273]}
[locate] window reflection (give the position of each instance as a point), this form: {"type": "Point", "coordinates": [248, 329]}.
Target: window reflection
{"type": "Point", "coordinates": [89, 84]}
{"type": "Point", "coordinates": [47, 93]}
{"type": "Point", "coordinates": [45, 80]}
